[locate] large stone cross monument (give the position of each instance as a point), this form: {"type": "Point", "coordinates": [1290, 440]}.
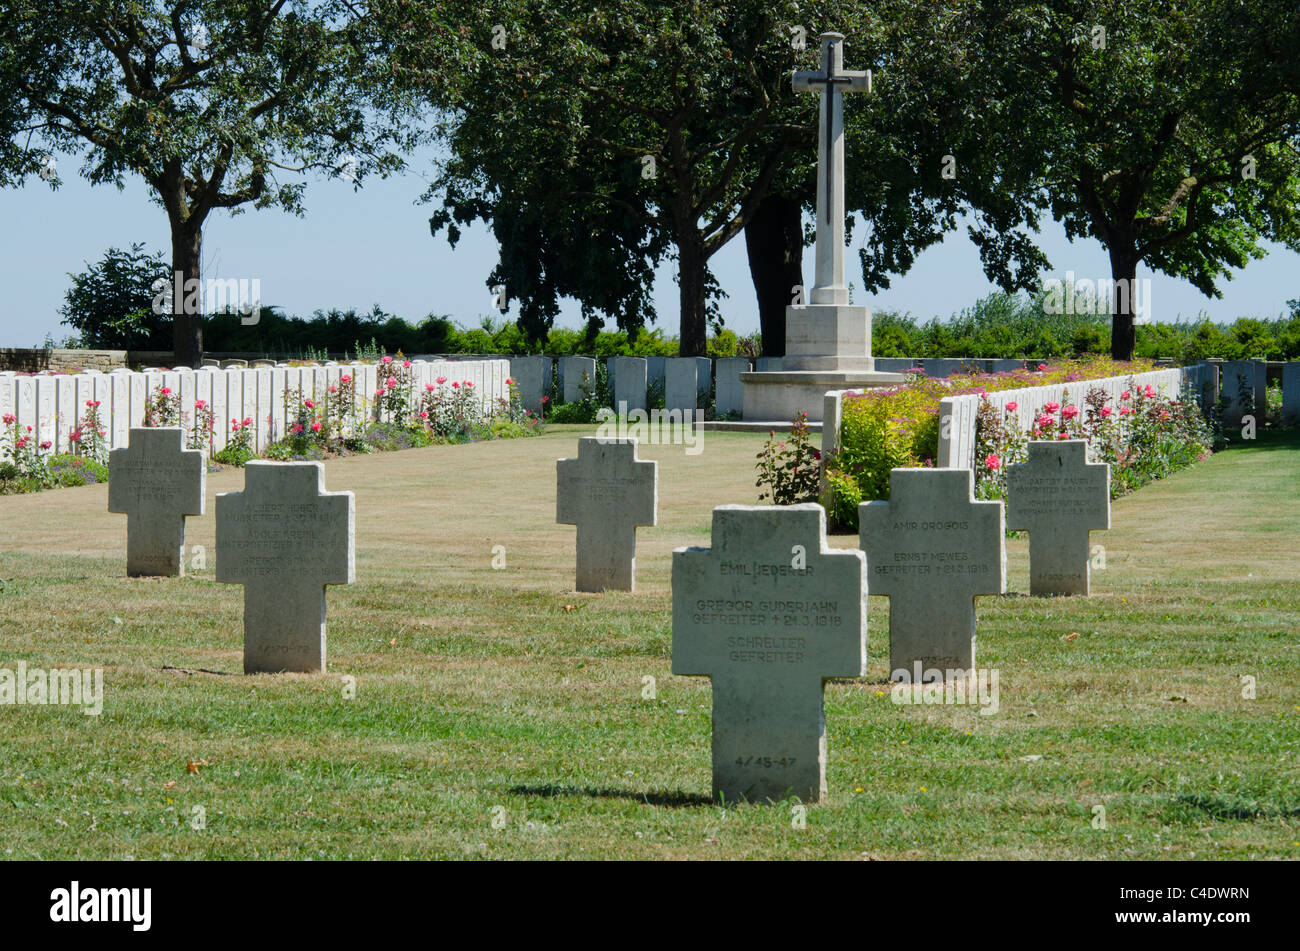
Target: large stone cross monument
{"type": "Point", "coordinates": [827, 340]}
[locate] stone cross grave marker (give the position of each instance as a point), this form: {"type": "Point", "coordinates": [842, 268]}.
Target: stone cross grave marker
{"type": "Point", "coordinates": [769, 612]}
{"type": "Point", "coordinates": [284, 538]}
{"type": "Point", "coordinates": [832, 81]}
{"type": "Point", "coordinates": [156, 482]}
{"type": "Point", "coordinates": [932, 548]}
{"type": "Point", "coordinates": [607, 492]}
{"type": "Point", "coordinates": [1058, 497]}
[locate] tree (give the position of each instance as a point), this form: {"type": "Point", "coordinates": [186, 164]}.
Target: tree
{"type": "Point", "coordinates": [209, 101]}
{"type": "Point", "coordinates": [110, 302]}
{"type": "Point", "coordinates": [601, 137]}
{"type": "Point", "coordinates": [1169, 134]}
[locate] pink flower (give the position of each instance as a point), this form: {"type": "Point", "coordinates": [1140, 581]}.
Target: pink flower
{"type": "Point", "coordinates": [10, 419]}
{"type": "Point", "coordinates": [984, 394]}
{"type": "Point", "coordinates": [390, 382]}
{"type": "Point", "coordinates": [993, 462]}
{"type": "Point", "coordinates": [379, 392]}
{"type": "Point", "coordinates": [1105, 411]}
{"type": "Point", "coordinates": [1051, 407]}
{"type": "Point", "coordinates": [333, 388]}
{"type": "Point", "coordinates": [388, 359]}
{"type": "Point", "coordinates": [546, 399]}
{"type": "Point", "coordinates": [406, 364]}
{"type": "Point", "coordinates": [509, 382]}
{"type": "Point", "coordinates": [46, 444]}
{"type": "Point", "coordinates": [468, 383]}
{"type": "Point", "coordinates": [297, 428]}
{"type": "Point", "coordinates": [75, 435]}
{"type": "Point", "coordinates": [20, 443]}
{"type": "Point", "coordinates": [199, 404]}
{"type": "Point", "coordinates": [915, 370]}
{"type": "Point", "coordinates": [1164, 414]}
{"type": "Point", "coordinates": [1125, 410]}
{"type": "Point", "coordinates": [424, 414]}
{"type": "Point", "coordinates": [309, 404]}
{"type": "Point", "coordinates": [1012, 405]}
{"type": "Point", "coordinates": [441, 380]}
{"type": "Point", "coordinates": [1047, 419]}
{"type": "Point", "coordinates": [103, 432]}
{"type": "Point", "coordinates": [1150, 392]}
{"type": "Point", "coordinates": [166, 391]}
{"type": "Point", "coordinates": [345, 379]}
{"type": "Point", "coordinates": [455, 386]}
{"type": "Point", "coordinates": [1070, 412]}
{"type": "Point", "coordinates": [315, 427]}
{"type": "Point", "coordinates": [1042, 366]}
{"type": "Point", "coordinates": [234, 425]}
{"type": "Point", "coordinates": [1062, 435]}
{"type": "Point", "coordinates": [429, 387]}
{"type": "Point", "coordinates": [1125, 395]}
{"type": "Point", "coordinates": [248, 421]}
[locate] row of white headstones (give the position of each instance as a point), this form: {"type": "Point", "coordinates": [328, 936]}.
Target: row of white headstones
{"type": "Point", "coordinates": [769, 611]}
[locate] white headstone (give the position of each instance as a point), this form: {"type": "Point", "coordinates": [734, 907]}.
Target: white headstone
{"type": "Point", "coordinates": [681, 388]}
{"type": "Point", "coordinates": [769, 612]}
{"type": "Point", "coordinates": [156, 482]}
{"type": "Point", "coordinates": [932, 548]}
{"type": "Point", "coordinates": [533, 376]}
{"type": "Point", "coordinates": [284, 538]}
{"type": "Point", "coordinates": [729, 396]}
{"type": "Point", "coordinates": [1291, 393]}
{"type": "Point", "coordinates": [1058, 497]}
{"type": "Point", "coordinates": [629, 382]}
{"type": "Point", "coordinates": [577, 373]}
{"type": "Point", "coordinates": [607, 492]}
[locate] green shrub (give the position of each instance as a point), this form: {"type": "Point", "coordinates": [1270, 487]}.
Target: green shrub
{"type": "Point", "coordinates": [898, 427]}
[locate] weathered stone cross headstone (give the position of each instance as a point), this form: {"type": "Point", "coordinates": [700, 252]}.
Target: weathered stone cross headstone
{"type": "Point", "coordinates": [769, 612]}
{"type": "Point", "coordinates": [1058, 497]}
{"type": "Point", "coordinates": [156, 482]}
{"type": "Point", "coordinates": [607, 492]}
{"type": "Point", "coordinates": [832, 81]}
{"type": "Point", "coordinates": [284, 538]}
{"type": "Point", "coordinates": [932, 548]}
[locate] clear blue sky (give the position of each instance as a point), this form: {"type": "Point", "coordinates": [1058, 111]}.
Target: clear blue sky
{"type": "Point", "coordinates": [373, 246]}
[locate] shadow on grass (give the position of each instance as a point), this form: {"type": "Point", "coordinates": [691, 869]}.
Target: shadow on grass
{"type": "Point", "coordinates": [661, 798]}
{"type": "Point", "coordinates": [1188, 806]}
{"type": "Point", "coordinates": [1269, 440]}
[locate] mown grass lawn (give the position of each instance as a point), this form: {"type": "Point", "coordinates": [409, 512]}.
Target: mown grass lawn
{"type": "Point", "coordinates": [502, 698]}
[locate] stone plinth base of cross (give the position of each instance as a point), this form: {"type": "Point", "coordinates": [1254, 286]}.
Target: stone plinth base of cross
{"type": "Point", "coordinates": [769, 612]}
{"type": "Point", "coordinates": [284, 538]}
{"type": "Point", "coordinates": [156, 482]}
{"type": "Point", "coordinates": [1058, 496]}
{"type": "Point", "coordinates": [932, 548]}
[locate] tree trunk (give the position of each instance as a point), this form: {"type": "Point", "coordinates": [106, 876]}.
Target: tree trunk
{"type": "Point", "coordinates": [691, 264]}
{"type": "Point", "coordinates": [187, 347]}
{"type": "Point", "coordinates": [1123, 272]}
{"type": "Point", "coordinates": [774, 242]}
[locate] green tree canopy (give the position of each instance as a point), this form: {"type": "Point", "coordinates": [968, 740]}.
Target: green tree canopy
{"type": "Point", "coordinates": [214, 103]}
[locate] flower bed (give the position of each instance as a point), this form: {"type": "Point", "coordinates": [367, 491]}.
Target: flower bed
{"type": "Point", "coordinates": [900, 427]}
{"type": "Point", "coordinates": [339, 422]}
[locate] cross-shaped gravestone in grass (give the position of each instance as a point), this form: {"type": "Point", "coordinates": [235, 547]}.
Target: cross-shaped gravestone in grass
{"type": "Point", "coordinates": [932, 548]}
{"type": "Point", "coordinates": [607, 492]}
{"type": "Point", "coordinates": [1058, 496]}
{"type": "Point", "coordinates": [769, 612]}
{"type": "Point", "coordinates": [156, 482]}
{"type": "Point", "coordinates": [284, 538]}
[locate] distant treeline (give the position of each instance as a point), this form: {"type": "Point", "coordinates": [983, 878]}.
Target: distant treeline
{"type": "Point", "coordinates": [1000, 325]}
